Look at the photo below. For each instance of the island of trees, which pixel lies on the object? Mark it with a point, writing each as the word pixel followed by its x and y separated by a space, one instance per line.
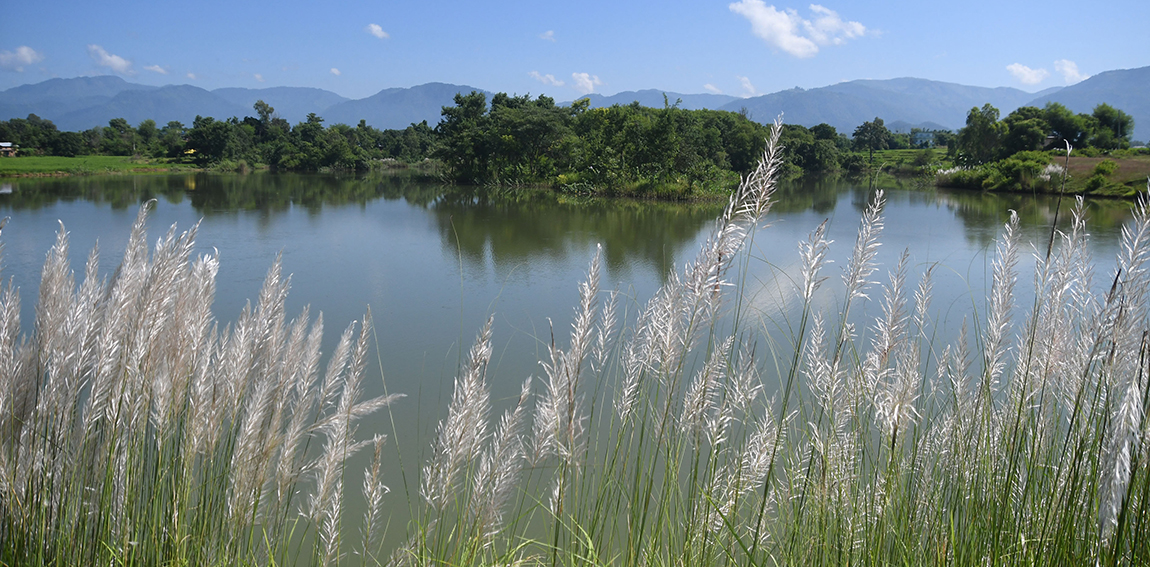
pixel 666 152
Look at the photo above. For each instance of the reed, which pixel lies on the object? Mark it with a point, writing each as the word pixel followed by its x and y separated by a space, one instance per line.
pixel 133 430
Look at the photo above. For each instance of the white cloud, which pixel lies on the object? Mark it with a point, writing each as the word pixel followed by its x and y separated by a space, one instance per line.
pixel 829 29
pixel 259 77
pixel 748 88
pixel 790 32
pixel 1069 71
pixel 335 72
pixel 547 79
pixel 548 35
pixel 156 69
pixel 16 60
pixel 114 62
pixel 585 83
pixel 192 76
pixel 1026 75
pixel 377 31
pixel 712 89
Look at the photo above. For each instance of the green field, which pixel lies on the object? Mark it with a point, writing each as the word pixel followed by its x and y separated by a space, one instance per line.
pixel 84 165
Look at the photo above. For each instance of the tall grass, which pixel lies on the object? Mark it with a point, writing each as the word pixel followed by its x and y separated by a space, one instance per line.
pixel 133 430
pixel 655 435
pixel 1024 442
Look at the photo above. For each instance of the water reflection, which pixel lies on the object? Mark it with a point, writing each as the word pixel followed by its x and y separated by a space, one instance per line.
pixel 508 228
pixel 514 228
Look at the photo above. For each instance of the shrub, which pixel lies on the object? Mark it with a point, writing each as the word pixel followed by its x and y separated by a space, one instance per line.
pixel 1106 168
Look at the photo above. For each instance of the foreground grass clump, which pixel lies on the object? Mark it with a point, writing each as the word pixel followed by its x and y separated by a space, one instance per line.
pixel 133 430
pixel 1024 442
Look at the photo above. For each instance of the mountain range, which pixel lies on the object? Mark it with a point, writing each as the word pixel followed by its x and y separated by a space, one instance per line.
pixel 84 102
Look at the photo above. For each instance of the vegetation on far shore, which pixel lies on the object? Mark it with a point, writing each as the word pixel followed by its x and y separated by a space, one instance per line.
pixel 666 153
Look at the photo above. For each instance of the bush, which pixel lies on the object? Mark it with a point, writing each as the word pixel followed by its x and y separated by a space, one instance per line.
pixel 963 178
pixel 1020 172
pixel 1106 168
pixel 853 162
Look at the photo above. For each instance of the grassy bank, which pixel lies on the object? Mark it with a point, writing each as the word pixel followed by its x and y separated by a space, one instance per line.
pixel 86 165
pixel 134 430
pixel 1119 176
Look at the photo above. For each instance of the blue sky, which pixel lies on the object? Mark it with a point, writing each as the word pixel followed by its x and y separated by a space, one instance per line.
pixel 565 49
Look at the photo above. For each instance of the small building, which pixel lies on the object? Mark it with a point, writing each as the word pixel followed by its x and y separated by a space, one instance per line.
pixel 8 149
pixel 922 140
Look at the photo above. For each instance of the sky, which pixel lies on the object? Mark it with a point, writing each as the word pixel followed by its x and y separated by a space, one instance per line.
pixel 568 49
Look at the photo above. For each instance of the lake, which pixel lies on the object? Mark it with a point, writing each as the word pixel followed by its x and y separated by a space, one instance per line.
pixel 432 262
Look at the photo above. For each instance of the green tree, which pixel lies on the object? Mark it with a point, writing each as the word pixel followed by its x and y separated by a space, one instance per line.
pixel 980 141
pixel 211 140
pixel 119 138
pixel 1113 128
pixel 872 136
pixel 1026 130
pixel 171 140
pixel 464 148
pixel 68 144
pixel 147 136
pixel 1066 126
pixel 32 134
pixel 824 131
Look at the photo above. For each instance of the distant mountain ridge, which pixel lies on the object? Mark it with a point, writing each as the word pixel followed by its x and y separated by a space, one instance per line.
pixel 290 103
pixel 654 99
pixel 397 108
pixel 849 104
pixel 84 102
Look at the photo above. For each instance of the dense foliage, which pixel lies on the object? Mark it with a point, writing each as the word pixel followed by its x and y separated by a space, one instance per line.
pixel 985 138
pixel 518 140
pixel 264 139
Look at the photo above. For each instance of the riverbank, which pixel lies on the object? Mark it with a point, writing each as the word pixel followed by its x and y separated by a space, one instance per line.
pixel 1032 172
pixel 55 166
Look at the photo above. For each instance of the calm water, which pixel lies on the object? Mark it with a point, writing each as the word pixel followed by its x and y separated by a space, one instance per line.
pixel 433 262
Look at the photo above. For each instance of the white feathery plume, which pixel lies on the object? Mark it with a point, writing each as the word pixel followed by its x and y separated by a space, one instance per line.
pixel 338 428
pixel 373 491
pixel 559 418
pixel 813 253
pixel 634 366
pixel 703 393
pixel 460 436
pixel 305 399
pixel 1124 442
pixel 1000 308
pixel 605 333
pixel 861 265
pixel 498 472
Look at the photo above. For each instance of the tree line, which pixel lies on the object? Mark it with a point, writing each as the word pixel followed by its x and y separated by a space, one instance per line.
pixel 519 140
pixel 263 139
pixel 985 138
